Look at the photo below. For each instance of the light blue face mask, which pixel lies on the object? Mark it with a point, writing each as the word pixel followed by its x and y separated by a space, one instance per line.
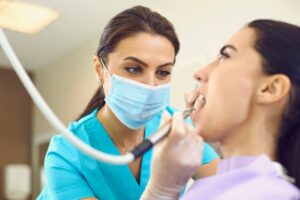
pixel 134 103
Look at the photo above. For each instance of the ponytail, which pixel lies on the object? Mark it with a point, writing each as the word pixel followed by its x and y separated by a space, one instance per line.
pixel 288 145
pixel 97 102
pixel 288 153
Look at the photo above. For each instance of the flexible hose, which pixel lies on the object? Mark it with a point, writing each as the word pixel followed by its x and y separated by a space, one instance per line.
pixel 49 114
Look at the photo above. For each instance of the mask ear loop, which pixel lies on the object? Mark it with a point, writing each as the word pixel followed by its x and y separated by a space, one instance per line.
pixel 104 66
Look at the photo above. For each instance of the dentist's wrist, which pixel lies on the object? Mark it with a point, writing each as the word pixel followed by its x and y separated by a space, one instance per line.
pixel 158 192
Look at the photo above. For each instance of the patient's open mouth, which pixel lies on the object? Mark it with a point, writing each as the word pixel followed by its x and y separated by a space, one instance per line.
pixel 200 102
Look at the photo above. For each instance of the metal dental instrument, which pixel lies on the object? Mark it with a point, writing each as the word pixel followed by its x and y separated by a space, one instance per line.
pixel 161 133
pixel 60 127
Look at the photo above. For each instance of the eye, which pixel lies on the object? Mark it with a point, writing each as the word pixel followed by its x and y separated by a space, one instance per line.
pixel 133 69
pixel 163 73
pixel 223 55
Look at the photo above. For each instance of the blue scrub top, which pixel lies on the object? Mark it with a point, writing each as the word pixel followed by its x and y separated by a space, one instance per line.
pixel 72 174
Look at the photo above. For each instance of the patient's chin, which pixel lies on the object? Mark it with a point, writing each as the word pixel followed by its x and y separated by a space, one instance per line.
pixel 210 136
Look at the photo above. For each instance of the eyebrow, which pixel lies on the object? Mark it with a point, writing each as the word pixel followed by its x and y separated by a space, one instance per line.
pixel 228 46
pixel 145 64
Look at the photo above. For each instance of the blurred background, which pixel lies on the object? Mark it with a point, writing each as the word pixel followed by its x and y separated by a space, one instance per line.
pixel 59 60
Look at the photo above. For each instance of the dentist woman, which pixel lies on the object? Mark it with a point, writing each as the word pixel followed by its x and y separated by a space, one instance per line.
pixel 133 64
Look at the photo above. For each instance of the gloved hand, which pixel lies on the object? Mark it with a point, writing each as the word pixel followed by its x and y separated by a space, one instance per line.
pixel 174 161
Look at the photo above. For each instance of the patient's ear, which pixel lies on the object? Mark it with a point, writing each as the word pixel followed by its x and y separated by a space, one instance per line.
pixel 98 68
pixel 274 88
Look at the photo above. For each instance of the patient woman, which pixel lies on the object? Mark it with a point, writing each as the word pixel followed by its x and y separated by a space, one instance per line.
pixel 133 64
pixel 249 102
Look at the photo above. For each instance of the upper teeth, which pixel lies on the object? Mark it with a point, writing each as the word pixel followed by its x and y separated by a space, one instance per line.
pixel 201 98
pixel 200 101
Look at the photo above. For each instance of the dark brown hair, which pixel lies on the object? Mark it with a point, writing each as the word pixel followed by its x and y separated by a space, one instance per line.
pixel 279 45
pixel 126 24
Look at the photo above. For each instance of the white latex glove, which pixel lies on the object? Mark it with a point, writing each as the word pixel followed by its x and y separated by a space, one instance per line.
pixel 174 161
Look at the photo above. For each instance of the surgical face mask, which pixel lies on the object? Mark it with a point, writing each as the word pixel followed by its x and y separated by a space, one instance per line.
pixel 134 103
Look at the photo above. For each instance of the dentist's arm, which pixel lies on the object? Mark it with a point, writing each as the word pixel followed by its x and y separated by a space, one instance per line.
pixel 206 170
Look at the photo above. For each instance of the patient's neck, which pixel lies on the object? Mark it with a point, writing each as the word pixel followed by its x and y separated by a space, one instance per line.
pixel 253 138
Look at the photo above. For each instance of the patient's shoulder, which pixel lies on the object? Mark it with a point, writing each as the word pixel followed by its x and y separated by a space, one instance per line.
pixel 263 187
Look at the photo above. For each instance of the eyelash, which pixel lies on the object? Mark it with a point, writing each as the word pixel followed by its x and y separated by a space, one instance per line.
pixel 166 73
pixel 135 70
pixel 129 69
pixel 223 54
